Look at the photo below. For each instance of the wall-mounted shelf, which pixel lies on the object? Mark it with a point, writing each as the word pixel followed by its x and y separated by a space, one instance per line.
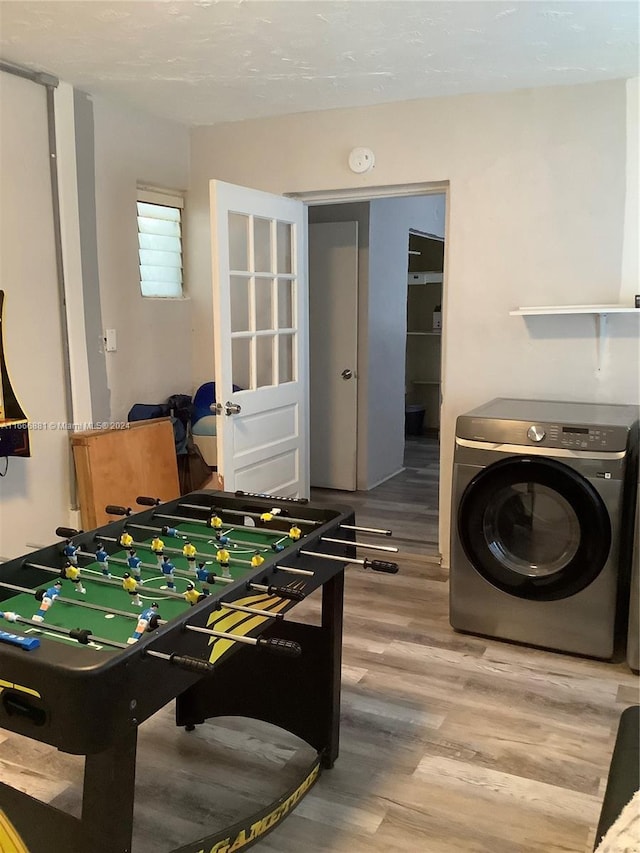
pixel 551 310
pixel 599 312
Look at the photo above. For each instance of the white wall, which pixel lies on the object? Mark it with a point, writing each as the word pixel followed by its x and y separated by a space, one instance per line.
pixel 153 359
pixel 34 494
pixel 389 222
pixel 536 215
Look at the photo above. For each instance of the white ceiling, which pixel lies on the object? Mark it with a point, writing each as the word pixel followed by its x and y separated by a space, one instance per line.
pixel 205 62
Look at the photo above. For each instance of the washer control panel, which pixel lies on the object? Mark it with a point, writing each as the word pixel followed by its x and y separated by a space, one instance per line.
pixel 574 437
pixel 581 437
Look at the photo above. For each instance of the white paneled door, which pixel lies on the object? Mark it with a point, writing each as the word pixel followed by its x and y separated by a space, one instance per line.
pixel 261 340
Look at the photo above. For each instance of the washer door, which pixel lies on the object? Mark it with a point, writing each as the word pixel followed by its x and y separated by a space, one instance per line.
pixel 534 528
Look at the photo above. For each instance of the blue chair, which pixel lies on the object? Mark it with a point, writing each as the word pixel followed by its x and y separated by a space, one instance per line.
pixel 203 423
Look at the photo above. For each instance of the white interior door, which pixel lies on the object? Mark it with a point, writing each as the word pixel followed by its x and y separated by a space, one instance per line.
pixel 261 340
pixel 333 348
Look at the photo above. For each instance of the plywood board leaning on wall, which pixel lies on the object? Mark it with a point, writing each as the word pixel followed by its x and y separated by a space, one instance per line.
pixel 115 466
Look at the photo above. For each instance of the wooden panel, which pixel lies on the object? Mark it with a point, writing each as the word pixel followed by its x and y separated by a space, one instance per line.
pixel 114 466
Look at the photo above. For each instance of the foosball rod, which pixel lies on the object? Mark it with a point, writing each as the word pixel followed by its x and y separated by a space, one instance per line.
pixel 254 611
pixel 81 635
pixel 282 591
pixel 115 582
pixel 377 530
pixel 374 565
pixel 145 545
pixel 236 512
pixel 201 536
pixel 182 573
pixel 76 603
pixel 272 644
pixel 368 545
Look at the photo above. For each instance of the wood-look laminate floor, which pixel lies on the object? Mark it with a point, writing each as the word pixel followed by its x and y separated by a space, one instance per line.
pixel 450 743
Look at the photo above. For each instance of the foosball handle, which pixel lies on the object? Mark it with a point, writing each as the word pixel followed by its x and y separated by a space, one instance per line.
pixel 67 532
pixel 82 635
pixel 381 566
pixel 240 494
pixel 277 646
pixel 112 509
pixel 143 500
pixel 201 667
pixel 286 592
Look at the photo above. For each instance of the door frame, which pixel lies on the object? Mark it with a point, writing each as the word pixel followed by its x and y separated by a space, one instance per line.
pixel 354 194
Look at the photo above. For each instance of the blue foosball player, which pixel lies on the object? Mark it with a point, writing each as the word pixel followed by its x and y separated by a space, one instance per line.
pixel 171 531
pixel 134 562
pixel 167 570
pixel 205 577
pixel 70 551
pixel 46 598
pixel 102 558
pixel 146 622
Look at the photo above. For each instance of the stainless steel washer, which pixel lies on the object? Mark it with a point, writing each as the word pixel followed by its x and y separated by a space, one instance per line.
pixel 542 522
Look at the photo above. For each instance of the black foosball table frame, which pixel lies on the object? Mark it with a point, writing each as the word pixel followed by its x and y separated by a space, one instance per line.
pixel 91 703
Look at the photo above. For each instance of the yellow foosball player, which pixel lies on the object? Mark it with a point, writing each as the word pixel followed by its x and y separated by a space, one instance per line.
pixel 130 585
pixel 157 546
pixel 215 521
pixel 189 551
pixel 257 560
pixel 72 573
pixel 191 594
pixel 294 532
pixel 223 557
pixel 126 539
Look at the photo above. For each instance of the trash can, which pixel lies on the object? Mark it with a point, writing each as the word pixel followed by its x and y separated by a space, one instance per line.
pixel 413 420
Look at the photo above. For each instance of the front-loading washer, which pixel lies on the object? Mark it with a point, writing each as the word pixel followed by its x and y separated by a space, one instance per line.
pixel 543 498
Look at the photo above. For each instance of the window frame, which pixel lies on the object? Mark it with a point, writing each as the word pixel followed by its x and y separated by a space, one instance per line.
pixel 163 198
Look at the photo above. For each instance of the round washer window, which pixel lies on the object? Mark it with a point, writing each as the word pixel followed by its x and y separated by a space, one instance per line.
pixel 534 528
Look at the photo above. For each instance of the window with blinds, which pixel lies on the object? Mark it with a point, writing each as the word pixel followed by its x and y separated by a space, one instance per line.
pixel 160 243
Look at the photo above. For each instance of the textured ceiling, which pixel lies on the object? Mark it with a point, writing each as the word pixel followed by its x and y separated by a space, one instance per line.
pixel 207 62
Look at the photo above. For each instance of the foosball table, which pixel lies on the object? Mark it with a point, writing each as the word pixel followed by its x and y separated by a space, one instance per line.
pixel 182 600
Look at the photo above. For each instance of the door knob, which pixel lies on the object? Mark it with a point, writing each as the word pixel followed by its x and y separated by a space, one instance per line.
pixel 347 374
pixel 232 408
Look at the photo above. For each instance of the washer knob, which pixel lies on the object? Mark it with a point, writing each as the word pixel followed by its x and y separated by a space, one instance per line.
pixel 535 433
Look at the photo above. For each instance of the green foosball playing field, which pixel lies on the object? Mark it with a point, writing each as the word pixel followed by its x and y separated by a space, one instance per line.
pixel 109 612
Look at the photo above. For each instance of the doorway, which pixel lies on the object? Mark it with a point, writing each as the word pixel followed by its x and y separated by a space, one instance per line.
pixel 379 325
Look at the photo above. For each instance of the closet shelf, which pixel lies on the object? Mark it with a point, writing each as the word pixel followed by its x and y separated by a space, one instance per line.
pixel 437 333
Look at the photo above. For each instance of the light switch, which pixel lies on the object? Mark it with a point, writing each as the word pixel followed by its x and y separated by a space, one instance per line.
pixel 110 344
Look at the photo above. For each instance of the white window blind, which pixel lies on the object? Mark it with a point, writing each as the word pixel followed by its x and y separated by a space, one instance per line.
pixel 160 244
